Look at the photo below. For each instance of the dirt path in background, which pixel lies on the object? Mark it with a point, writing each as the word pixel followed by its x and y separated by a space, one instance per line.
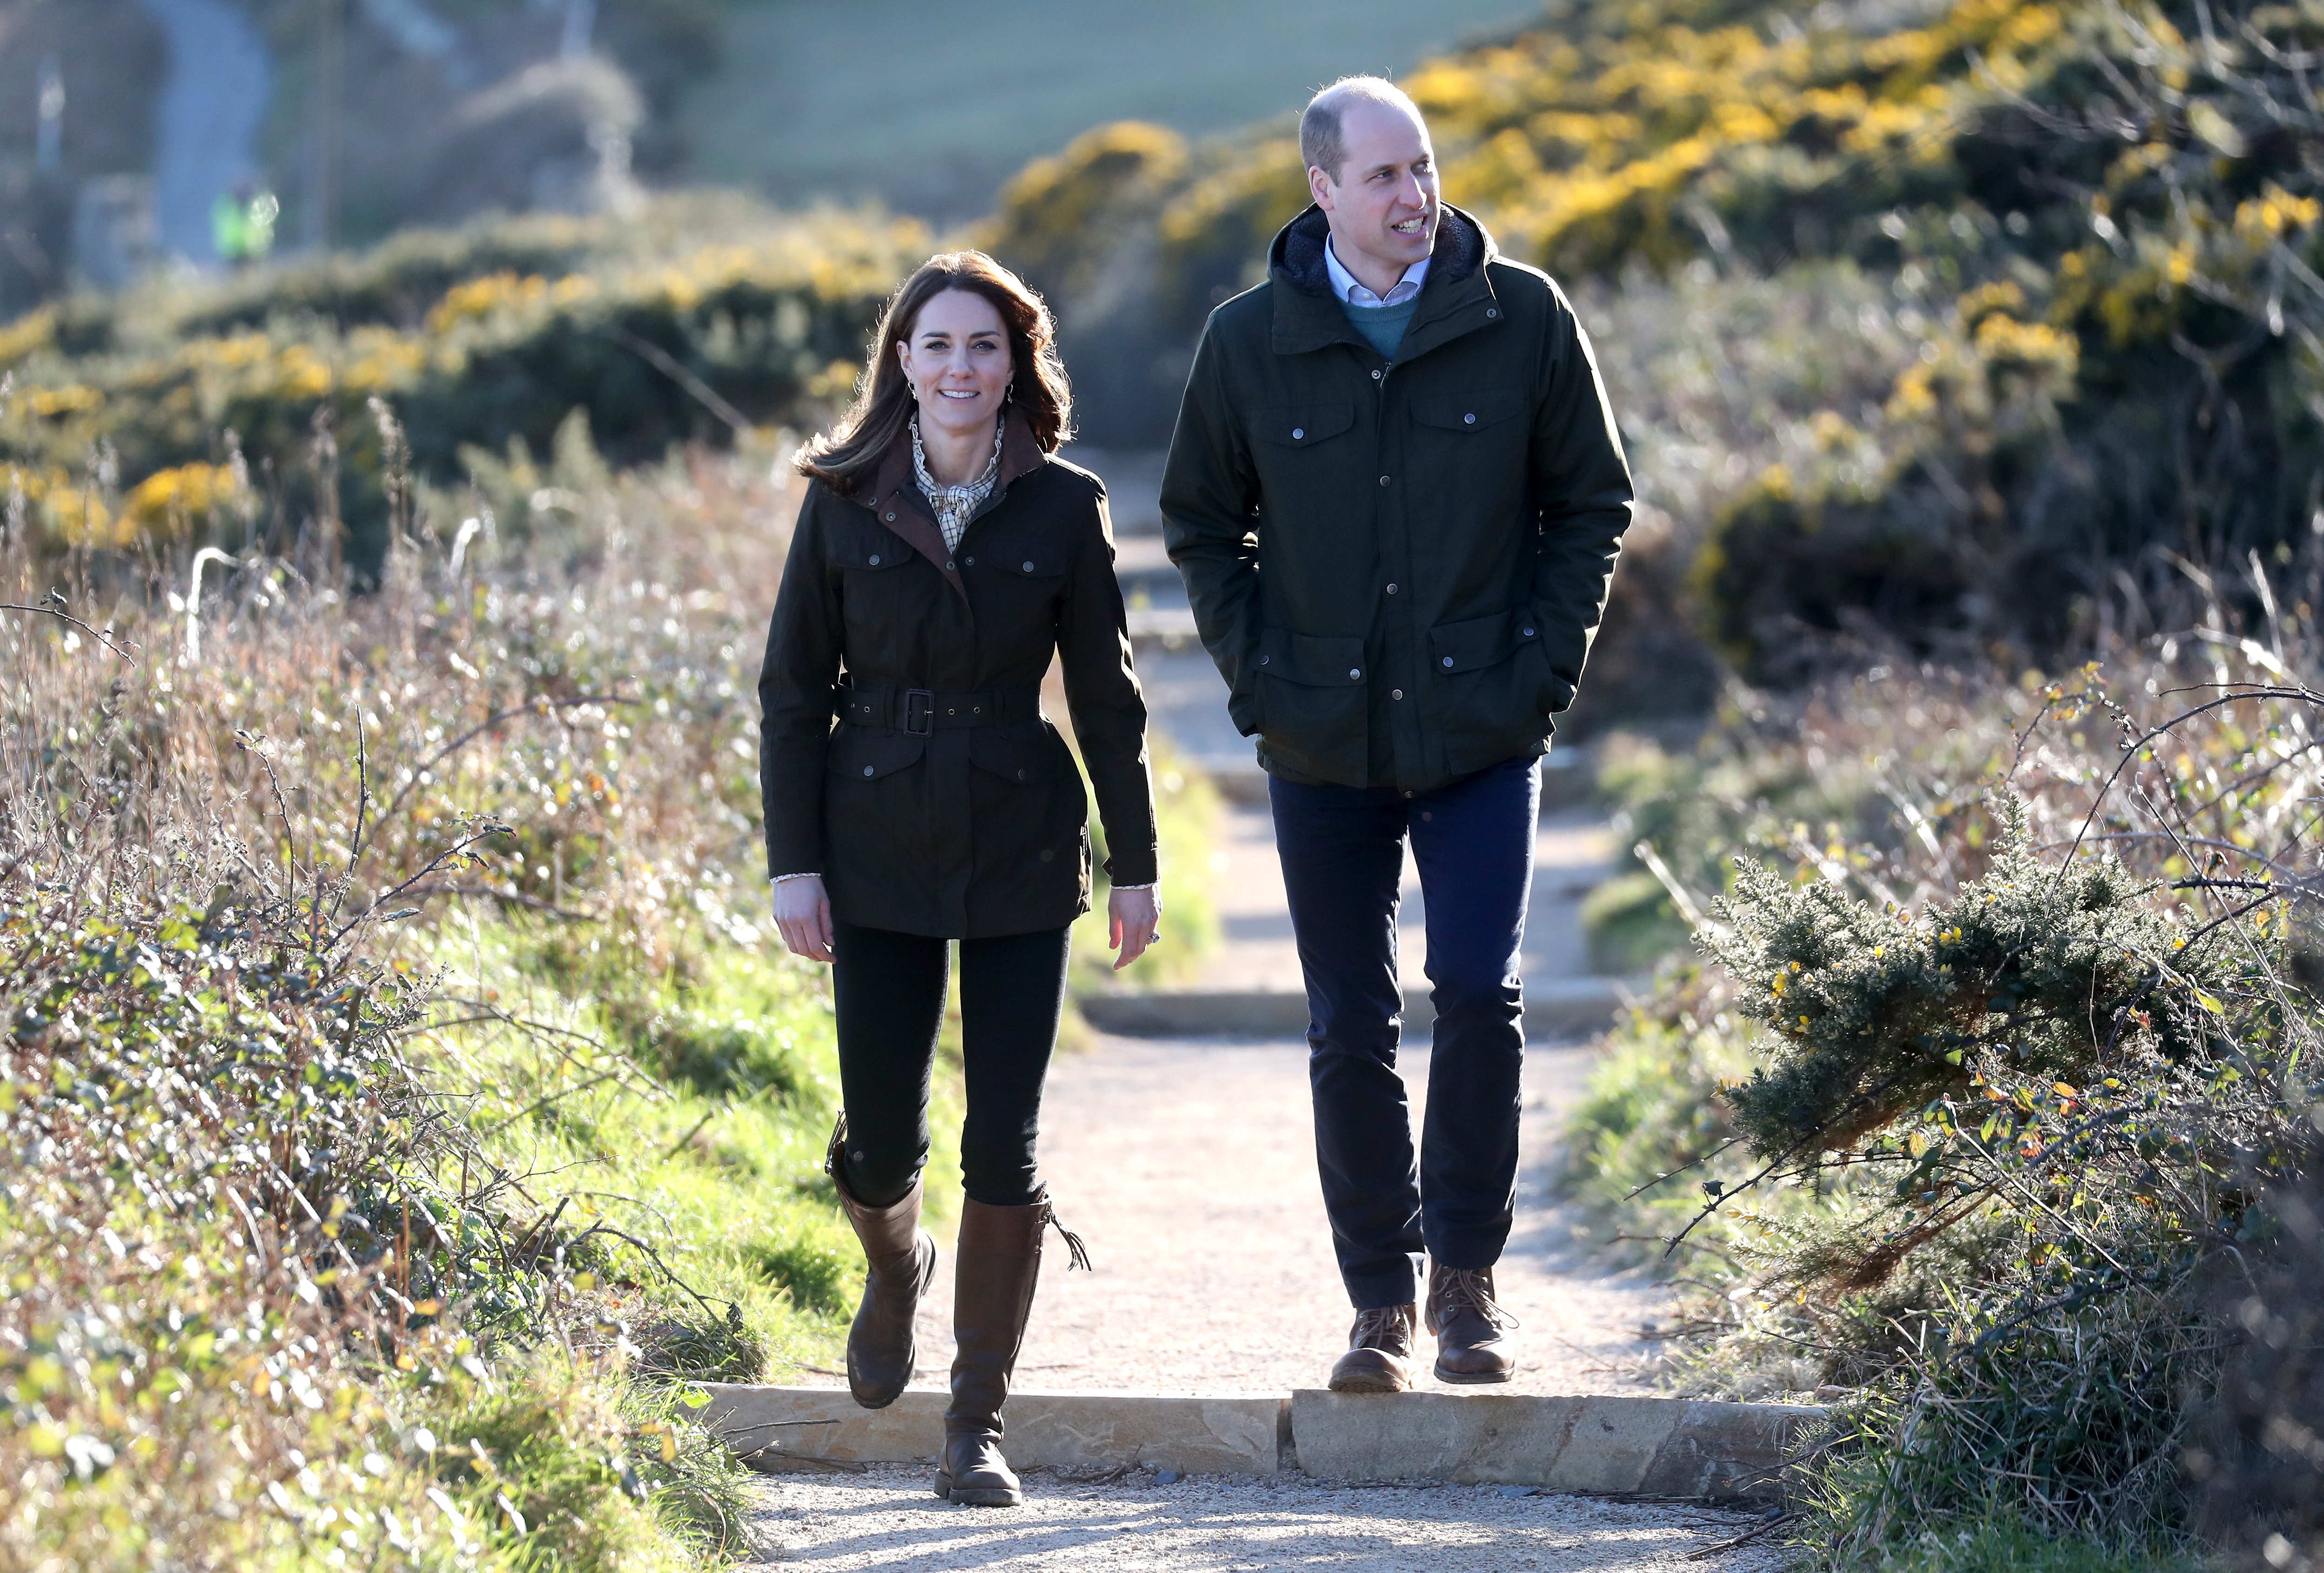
pixel 1188 1166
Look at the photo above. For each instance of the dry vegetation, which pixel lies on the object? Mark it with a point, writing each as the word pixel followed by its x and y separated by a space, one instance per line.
pixel 402 1101
pixel 1996 1121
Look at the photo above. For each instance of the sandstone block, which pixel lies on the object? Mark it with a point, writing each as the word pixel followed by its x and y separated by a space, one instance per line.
pixel 1231 1435
pixel 1612 1445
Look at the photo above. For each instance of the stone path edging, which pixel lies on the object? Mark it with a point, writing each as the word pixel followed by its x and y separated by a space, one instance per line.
pixel 1608 1445
pixel 1559 1010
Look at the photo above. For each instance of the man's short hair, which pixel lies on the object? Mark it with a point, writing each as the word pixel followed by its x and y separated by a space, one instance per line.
pixel 1320 142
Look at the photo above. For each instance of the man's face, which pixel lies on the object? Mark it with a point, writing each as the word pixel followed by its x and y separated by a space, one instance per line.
pixel 1383 207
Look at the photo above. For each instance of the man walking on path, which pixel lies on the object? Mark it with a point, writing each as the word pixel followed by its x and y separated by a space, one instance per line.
pixel 1396 494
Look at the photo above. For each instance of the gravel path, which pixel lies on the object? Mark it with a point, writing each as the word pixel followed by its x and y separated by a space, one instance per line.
pixel 884 1519
pixel 1189 1167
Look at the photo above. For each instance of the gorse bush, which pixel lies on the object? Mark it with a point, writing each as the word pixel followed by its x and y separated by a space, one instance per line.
pixel 1994 1122
pixel 183 415
pixel 1875 1012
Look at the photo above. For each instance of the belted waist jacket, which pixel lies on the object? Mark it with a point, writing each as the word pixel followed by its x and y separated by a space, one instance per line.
pixel 1398 566
pixel 903 754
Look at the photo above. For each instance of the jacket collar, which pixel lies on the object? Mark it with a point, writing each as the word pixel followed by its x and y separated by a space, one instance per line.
pixel 895 498
pixel 1457 299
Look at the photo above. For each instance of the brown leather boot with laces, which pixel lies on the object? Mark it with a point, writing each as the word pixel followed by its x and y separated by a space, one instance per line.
pixel 1379 1352
pixel 1473 1342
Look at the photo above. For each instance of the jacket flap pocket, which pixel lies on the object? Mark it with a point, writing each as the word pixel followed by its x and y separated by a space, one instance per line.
pixel 866 756
pixel 1482 641
pixel 1299 426
pixel 1471 411
pixel 1318 661
pixel 1034 754
pixel 1021 562
pixel 872 548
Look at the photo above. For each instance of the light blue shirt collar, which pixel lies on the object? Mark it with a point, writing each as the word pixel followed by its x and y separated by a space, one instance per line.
pixel 1345 285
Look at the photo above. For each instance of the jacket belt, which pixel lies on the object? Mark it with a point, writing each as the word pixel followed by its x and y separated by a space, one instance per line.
pixel 921 711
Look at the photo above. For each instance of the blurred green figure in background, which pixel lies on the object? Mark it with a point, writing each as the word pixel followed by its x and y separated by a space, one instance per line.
pixel 242 224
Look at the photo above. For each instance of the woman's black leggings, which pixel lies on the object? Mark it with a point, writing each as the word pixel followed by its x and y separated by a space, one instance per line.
pixel 890 990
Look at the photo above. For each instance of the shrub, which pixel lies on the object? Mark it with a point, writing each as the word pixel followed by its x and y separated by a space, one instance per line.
pixel 2020 1173
pixel 471 347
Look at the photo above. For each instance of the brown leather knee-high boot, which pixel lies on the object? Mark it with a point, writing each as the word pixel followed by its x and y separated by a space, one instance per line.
pixel 996 1265
pixel 880 1347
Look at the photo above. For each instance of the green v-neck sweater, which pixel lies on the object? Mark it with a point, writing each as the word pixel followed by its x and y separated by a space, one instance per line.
pixel 1381 326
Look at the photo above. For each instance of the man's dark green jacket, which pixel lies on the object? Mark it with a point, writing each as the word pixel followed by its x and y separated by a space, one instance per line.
pixel 1398 566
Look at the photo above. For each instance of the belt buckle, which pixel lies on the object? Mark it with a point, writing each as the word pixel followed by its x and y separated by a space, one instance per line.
pixel 920 707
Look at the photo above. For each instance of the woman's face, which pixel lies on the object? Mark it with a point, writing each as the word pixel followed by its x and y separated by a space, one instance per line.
pixel 957 359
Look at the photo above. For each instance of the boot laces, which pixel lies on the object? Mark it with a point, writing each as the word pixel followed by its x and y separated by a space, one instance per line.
pixel 1382 1327
pixel 1466 1286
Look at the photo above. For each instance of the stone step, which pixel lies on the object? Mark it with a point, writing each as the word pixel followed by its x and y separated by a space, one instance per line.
pixel 1649 1447
pixel 1558 1010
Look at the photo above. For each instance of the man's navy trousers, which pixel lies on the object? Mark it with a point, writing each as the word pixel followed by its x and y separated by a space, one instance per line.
pixel 1343 851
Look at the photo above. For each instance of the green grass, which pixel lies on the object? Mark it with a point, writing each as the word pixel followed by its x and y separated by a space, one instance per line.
pixel 839 98
pixel 692 1118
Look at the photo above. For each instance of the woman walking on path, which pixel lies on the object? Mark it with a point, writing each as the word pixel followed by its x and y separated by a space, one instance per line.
pixel 915 794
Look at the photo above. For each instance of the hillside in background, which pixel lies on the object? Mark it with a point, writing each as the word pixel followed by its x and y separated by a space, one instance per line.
pixel 932 109
pixel 2031 290
pixel 1944 330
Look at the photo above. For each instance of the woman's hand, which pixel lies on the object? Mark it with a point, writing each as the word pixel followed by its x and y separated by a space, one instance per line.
pixel 1132 917
pixel 803 911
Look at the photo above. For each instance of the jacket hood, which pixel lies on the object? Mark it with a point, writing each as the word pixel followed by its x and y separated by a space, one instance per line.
pixel 1462 246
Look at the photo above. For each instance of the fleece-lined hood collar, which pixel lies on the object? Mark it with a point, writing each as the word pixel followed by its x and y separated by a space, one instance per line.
pixel 1457 299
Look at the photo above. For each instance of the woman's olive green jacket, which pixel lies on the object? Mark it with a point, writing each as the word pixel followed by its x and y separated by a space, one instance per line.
pixel 903 754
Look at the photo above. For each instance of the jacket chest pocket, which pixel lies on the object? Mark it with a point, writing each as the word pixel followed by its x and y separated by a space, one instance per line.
pixel 869 558
pixel 872 580
pixel 1016 580
pixel 1296 447
pixel 1469 448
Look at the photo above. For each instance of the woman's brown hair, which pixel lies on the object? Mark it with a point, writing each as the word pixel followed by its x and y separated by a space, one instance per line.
pixel 852 450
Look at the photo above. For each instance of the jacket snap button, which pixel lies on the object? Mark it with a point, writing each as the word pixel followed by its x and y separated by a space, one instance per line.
pixel 970 561
pixel 875 559
pixel 1297 432
pixel 948 568
pixel 1020 774
pixel 1528 633
pixel 1391 589
pixel 1448 661
pixel 867 769
pixel 950 711
pixel 1396 693
pixel 1262 660
pixel 1376 376
pixel 1383 479
pixel 1490 311
pixel 1355 671
pixel 979 709
pixel 1029 568
pixel 891 516
pixel 1468 419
